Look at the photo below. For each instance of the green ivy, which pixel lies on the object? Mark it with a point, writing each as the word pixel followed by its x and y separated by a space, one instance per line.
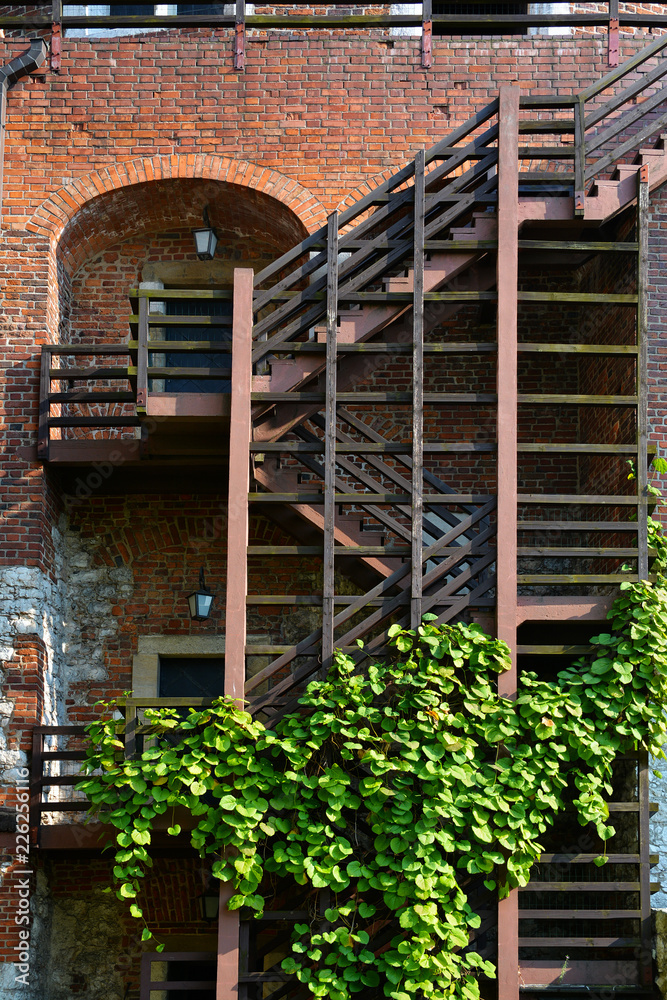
pixel 390 789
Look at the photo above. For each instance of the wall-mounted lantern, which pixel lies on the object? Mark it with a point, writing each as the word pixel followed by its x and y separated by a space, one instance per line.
pixel 209 903
pixel 206 239
pixel 200 600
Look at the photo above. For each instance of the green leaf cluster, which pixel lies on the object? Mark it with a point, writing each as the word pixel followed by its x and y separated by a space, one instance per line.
pixel 391 789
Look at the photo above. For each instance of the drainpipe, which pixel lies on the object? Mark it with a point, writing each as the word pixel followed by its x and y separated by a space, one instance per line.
pixel 9 74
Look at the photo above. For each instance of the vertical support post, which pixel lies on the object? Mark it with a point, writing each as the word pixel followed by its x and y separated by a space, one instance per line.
pixel 142 356
pixel 56 34
pixel 240 431
pixel 507 279
pixel 227 977
pixel 36 787
pixel 506 562
pixel 579 158
pixel 612 37
pixel 645 953
pixel 642 371
pixel 328 582
pixel 239 36
pixel 44 405
pixel 244 958
pixel 131 723
pixel 418 393
pixel 427 34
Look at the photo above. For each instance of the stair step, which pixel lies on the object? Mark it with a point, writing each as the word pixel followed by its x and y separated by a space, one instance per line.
pixel 624 170
pixel 648 156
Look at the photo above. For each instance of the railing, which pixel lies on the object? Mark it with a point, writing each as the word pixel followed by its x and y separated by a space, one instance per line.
pixel 57 753
pixel 580 536
pixel 377 232
pixel 137 727
pixel 439 18
pixel 100 391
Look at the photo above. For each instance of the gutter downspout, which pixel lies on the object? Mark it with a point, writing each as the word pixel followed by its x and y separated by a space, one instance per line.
pixel 9 75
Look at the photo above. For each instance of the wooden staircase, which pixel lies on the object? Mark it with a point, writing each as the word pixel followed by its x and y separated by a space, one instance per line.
pixel 389 265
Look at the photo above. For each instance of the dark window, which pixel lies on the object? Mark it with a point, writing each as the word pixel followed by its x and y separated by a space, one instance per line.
pixel 191 677
pixel 182 359
pixel 192 972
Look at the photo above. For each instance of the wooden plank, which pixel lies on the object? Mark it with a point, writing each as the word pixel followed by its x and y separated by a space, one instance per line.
pixel 240 432
pixel 577 400
pixel 596 246
pixel 372 448
pixel 192 346
pixel 578 942
pixel 644 955
pixel 578 526
pixel 227 968
pixel 74 374
pixel 584 551
pixel 457 500
pixel 584 578
pixel 565 886
pixel 589 298
pixel 181 293
pixel 417 509
pixel 43 434
pixel 239 481
pixel 374 397
pixel 578 449
pixel 91 349
pixel 606 500
pixel 642 369
pixel 579 158
pixel 556 914
pixel 76 396
pixel 239 35
pixel 506 436
pixel 328 581
pixel 577 348
pixel 92 421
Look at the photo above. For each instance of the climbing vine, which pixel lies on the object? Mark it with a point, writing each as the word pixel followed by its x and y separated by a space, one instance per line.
pixel 392 790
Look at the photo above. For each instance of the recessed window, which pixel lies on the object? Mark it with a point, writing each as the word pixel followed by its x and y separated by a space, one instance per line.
pixel 191 677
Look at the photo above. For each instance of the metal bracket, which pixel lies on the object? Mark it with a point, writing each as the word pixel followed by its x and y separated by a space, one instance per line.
pixel 427 44
pixel 56 38
pixel 613 41
pixel 239 46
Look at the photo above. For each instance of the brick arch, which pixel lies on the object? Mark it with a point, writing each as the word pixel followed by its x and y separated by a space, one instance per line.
pixel 53 215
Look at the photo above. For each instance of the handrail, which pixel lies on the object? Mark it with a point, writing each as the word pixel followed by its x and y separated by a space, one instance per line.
pixel 607 15
pixel 378 231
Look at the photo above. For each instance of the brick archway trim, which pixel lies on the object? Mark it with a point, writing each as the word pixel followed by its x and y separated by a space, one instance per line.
pixel 60 208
